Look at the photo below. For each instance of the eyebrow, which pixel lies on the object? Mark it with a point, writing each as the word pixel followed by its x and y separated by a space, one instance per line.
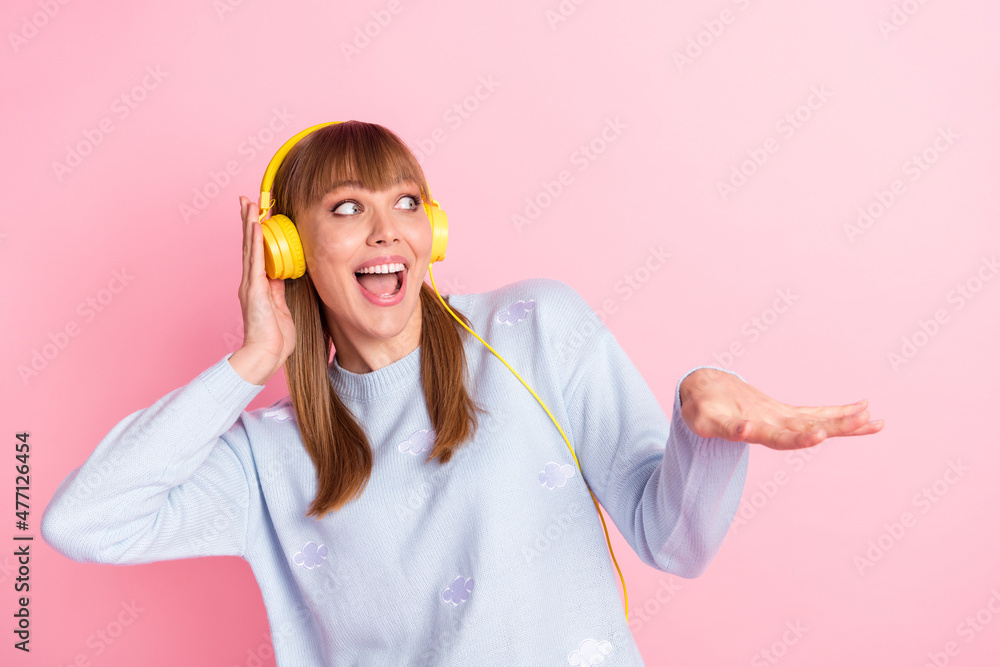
pixel 361 186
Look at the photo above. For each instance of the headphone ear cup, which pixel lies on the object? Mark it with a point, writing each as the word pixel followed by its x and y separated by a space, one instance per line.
pixel 439 230
pixel 283 255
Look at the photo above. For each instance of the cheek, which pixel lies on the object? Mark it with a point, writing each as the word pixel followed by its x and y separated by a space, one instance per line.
pixel 325 253
pixel 422 239
pixel 318 257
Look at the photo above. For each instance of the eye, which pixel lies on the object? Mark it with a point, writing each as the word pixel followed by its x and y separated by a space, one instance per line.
pixel 342 208
pixel 414 198
pixel 337 209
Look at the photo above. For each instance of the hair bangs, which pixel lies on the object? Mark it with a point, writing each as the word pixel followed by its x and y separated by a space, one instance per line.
pixel 348 153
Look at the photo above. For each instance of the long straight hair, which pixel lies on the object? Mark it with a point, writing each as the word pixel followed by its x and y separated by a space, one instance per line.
pixel 376 158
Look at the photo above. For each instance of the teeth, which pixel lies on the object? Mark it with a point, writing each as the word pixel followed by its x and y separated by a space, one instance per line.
pixel 382 268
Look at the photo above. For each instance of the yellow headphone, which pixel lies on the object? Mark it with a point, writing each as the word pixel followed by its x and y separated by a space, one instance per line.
pixel 284 259
pixel 283 256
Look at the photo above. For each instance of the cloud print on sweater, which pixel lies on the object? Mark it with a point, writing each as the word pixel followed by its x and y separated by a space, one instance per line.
pixel 591 652
pixel 555 474
pixel 516 312
pixel 282 411
pixel 312 555
pixel 419 441
pixel 458 590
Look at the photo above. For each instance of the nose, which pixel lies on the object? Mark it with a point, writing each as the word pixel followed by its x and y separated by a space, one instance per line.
pixel 384 229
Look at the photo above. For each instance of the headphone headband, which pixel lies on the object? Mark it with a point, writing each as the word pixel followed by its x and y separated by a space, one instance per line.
pixel 267 183
pixel 272 167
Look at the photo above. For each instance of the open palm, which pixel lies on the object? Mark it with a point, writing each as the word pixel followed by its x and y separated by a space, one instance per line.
pixel 716 404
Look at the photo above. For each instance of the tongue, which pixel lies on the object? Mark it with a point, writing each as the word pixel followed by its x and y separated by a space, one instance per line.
pixel 378 283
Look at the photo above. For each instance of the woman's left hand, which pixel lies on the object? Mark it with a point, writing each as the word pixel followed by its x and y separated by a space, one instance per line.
pixel 716 404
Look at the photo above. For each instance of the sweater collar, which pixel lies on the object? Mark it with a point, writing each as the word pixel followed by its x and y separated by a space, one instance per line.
pixel 377 383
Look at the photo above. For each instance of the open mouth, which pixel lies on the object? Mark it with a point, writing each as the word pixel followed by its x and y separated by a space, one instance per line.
pixel 381 285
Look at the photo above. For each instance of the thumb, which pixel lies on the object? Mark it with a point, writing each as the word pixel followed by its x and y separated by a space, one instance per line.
pixel 278 292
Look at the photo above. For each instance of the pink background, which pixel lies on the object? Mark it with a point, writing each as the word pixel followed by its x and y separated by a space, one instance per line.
pixel 683 129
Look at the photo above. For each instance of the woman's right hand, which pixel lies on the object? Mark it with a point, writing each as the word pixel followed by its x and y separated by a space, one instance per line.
pixel 268 329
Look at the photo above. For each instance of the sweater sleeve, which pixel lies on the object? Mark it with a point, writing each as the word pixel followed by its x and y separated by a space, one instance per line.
pixel 672 494
pixel 174 480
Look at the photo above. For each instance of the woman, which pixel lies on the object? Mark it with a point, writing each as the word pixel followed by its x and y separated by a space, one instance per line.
pixel 409 502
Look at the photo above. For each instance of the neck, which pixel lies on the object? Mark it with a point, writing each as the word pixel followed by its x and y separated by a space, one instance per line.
pixel 358 352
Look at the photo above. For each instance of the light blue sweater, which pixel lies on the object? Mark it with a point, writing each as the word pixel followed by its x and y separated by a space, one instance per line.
pixel 495 558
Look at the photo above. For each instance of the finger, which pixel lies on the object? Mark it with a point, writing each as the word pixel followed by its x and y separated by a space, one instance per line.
pixel 847 424
pixel 867 429
pixel 781 438
pixel 247 239
pixel 278 293
pixel 831 411
pixel 831 427
pixel 856 424
pixel 257 253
